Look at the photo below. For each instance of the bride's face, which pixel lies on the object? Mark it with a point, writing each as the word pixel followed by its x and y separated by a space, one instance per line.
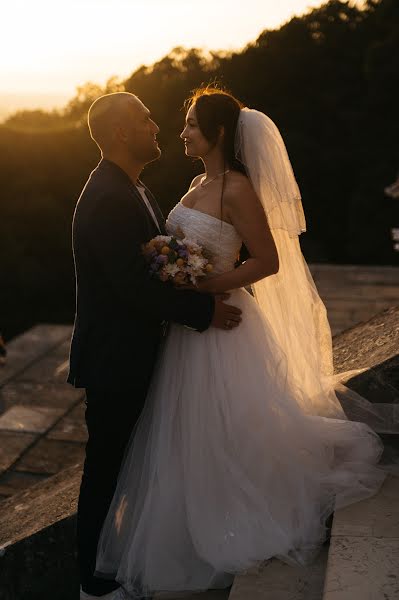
pixel 194 142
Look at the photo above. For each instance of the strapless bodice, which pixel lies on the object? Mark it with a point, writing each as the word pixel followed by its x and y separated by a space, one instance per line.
pixel 218 237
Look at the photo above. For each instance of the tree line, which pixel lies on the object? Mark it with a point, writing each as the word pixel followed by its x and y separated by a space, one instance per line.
pixel 329 81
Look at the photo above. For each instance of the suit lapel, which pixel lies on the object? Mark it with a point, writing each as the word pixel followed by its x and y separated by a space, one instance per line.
pixel 116 171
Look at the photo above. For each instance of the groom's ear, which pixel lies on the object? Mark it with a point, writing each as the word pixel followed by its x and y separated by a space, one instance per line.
pixel 221 133
pixel 120 133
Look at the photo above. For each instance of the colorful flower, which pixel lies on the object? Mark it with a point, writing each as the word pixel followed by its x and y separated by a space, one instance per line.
pixel 176 260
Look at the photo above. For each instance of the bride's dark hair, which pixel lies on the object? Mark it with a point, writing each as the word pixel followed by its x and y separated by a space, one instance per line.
pixel 216 108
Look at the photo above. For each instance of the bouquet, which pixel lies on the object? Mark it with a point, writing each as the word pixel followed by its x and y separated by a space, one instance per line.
pixel 179 261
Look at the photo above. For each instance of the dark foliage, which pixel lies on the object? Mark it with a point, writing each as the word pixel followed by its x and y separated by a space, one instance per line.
pixel 329 81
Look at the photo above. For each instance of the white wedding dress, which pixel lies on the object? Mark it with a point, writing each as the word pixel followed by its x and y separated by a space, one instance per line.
pixel 224 468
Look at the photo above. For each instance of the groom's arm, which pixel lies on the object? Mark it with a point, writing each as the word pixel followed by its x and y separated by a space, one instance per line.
pixel 114 237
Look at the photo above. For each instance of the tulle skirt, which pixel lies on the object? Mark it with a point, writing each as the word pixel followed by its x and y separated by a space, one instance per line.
pixel 224 469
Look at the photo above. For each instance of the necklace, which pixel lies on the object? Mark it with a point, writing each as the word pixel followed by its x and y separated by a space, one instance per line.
pixel 202 184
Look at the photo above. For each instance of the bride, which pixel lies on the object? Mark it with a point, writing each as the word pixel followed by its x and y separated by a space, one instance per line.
pixel 243 450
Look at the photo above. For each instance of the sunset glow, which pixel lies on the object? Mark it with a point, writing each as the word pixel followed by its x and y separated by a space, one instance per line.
pixel 51 47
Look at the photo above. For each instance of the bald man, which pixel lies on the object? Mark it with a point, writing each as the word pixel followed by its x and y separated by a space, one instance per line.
pixel 120 311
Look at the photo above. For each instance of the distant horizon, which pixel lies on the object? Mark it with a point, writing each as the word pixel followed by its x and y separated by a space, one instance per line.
pixel 13 102
pixel 34 80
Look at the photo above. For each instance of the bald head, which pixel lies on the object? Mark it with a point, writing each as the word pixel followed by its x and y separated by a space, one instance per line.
pixel 106 113
pixel 122 128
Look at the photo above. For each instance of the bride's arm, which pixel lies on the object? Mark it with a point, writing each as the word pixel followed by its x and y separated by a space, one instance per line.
pixel 245 212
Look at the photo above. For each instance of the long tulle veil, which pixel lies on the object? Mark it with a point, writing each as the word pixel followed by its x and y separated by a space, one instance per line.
pixel 289 299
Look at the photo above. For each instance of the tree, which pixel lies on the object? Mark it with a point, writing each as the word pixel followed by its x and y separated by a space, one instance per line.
pixel 329 81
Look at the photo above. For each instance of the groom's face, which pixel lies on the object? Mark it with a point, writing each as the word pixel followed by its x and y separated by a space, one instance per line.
pixel 141 132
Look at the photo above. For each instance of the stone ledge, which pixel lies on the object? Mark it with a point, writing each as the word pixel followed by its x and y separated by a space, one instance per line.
pixel 374 346
pixel 362 569
pixel 53 500
pixel 37 533
pixel 42 566
pixel 363 561
pixel 279 581
pixel 375 517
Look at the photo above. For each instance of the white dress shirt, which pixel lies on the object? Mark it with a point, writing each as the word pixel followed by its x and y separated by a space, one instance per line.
pixel 148 205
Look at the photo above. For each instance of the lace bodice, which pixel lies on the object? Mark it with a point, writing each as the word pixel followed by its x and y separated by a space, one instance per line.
pixel 219 238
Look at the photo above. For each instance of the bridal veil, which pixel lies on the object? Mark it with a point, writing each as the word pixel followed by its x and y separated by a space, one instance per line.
pixel 289 299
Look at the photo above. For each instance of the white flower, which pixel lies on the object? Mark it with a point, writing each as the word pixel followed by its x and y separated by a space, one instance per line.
pixel 162 238
pixel 171 269
pixel 196 262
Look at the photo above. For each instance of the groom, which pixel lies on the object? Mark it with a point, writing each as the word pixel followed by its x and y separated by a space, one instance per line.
pixel 121 312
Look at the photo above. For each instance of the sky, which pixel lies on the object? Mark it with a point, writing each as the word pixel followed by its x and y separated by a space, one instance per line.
pixel 49 47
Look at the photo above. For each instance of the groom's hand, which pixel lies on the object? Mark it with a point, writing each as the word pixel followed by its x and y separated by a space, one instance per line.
pixel 225 316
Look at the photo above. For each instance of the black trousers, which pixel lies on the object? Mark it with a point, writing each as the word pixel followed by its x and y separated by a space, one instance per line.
pixel 110 417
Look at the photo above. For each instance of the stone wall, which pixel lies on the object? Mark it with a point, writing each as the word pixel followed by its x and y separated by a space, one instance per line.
pixel 37 540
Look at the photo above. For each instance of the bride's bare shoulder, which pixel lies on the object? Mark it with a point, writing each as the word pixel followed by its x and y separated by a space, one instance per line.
pixel 241 199
pixel 196 181
pixel 237 185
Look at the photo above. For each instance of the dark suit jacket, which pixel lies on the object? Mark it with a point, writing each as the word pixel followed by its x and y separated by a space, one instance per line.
pixel 119 309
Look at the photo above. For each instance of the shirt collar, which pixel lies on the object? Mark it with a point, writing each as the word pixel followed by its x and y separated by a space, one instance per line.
pixel 114 168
